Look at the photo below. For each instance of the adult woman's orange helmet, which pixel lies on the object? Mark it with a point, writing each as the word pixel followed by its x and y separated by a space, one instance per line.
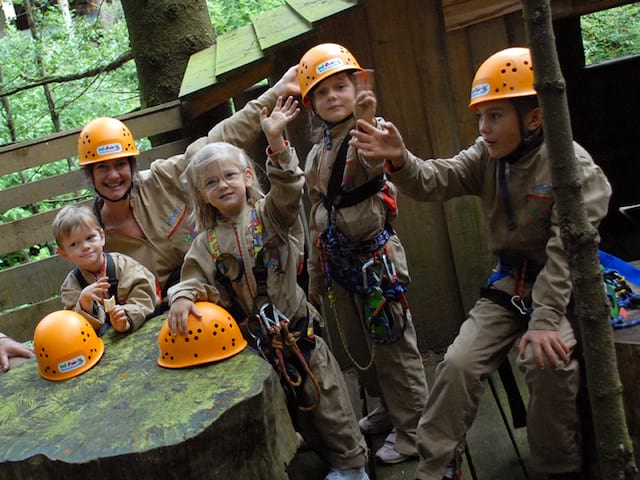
pixel 215 336
pixel 321 62
pixel 65 345
pixel 103 139
pixel 505 74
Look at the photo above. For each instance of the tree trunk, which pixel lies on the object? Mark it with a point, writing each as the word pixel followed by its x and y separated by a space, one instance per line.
pixel 613 444
pixel 163 35
pixel 129 419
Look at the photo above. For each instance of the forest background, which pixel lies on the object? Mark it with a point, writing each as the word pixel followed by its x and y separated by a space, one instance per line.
pixel 62 45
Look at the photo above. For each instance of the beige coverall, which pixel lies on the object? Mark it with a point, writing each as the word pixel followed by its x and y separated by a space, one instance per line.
pixel 137 292
pixel 331 429
pixel 160 203
pixel 490 330
pixel 398 373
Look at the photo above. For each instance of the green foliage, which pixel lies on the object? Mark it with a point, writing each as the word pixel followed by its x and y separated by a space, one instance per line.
pixel 229 15
pixel 611 34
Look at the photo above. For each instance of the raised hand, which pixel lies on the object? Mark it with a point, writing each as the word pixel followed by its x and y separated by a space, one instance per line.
pixel 380 143
pixel 273 124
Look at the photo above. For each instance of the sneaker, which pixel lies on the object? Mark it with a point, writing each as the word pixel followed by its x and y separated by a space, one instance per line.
pixel 452 472
pixel 387 452
pixel 348 474
pixel 376 423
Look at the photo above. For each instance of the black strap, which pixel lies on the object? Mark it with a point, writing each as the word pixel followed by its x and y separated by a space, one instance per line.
pixel 512 221
pixel 337 172
pixel 338 198
pixel 516 404
pixel 504 300
pixel 110 272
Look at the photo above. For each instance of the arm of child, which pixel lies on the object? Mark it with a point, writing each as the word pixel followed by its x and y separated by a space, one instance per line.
pixel 273 124
pixel 379 143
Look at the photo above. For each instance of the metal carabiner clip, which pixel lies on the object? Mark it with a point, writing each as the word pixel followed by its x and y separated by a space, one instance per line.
pixel 517 302
pixel 365 266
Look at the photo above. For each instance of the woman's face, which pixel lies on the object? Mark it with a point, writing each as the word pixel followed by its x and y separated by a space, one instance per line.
pixel 333 98
pixel 224 186
pixel 112 179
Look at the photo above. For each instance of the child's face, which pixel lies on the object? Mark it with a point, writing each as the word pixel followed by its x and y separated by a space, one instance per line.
pixel 83 246
pixel 498 124
pixel 332 99
pixel 112 178
pixel 225 184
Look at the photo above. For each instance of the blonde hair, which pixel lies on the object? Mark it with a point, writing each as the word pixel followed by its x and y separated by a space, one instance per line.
pixel 71 217
pixel 203 213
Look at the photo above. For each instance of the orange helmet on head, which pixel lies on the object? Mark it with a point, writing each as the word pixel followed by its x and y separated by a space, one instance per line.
pixel 103 139
pixel 214 336
pixel 505 74
pixel 65 345
pixel 321 62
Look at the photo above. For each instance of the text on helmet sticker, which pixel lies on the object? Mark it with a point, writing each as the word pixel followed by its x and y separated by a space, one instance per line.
pixel 72 364
pixel 480 90
pixel 108 149
pixel 329 65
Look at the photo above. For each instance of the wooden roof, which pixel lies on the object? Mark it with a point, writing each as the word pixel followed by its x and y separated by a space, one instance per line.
pixel 248 45
pixel 251 43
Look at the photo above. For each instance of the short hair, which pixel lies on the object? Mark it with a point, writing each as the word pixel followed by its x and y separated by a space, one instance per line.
pixel 524 105
pixel 71 217
pixel 203 213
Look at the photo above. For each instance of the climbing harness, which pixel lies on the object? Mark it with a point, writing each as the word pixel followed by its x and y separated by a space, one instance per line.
pixel 363 268
pixel 267 327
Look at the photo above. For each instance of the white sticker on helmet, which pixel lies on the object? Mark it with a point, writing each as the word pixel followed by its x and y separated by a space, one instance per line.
pixel 108 149
pixel 329 65
pixel 72 364
pixel 480 90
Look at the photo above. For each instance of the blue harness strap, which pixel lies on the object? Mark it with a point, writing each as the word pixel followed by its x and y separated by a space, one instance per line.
pixel 628 271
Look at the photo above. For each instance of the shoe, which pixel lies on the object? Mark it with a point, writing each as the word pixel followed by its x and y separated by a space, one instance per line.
pixel 300 443
pixel 376 423
pixel 387 452
pixel 348 474
pixel 453 471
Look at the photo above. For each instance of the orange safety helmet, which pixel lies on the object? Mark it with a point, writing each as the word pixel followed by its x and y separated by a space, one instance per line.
pixel 321 62
pixel 103 139
pixel 66 345
pixel 215 336
pixel 505 74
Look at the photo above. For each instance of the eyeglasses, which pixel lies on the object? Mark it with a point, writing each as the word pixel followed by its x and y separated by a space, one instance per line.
pixel 229 178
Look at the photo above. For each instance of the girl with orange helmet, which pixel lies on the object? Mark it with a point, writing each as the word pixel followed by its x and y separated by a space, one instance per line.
pixel 247 256
pixel 144 214
pixel 527 295
pixel 359 258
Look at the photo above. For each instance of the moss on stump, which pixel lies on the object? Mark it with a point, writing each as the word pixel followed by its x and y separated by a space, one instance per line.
pixel 128 418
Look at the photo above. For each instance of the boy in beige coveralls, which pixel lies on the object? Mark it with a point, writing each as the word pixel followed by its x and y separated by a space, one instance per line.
pixel 508 169
pixel 256 244
pixel 87 289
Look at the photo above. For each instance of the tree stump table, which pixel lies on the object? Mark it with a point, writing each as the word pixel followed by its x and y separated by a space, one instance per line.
pixel 128 418
pixel 627 342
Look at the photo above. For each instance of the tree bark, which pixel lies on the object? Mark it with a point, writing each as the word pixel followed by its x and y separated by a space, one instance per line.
pixel 163 35
pixel 128 418
pixel 613 444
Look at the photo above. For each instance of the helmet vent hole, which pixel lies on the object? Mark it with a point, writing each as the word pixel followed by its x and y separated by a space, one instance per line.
pixel 186 339
pixel 215 333
pixel 195 355
pixel 199 330
pixel 224 348
pixel 196 338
